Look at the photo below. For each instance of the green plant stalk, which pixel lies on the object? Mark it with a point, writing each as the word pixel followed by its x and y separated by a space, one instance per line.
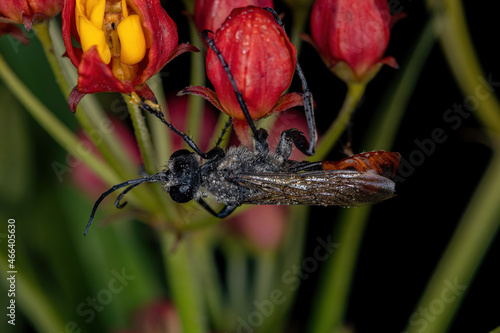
pixel 161 138
pixel 148 154
pixel 331 301
pixel 161 135
pixel 53 126
pixel 333 291
pixel 211 283
pixel 197 78
pixel 290 256
pixel 391 110
pixel 237 278
pixel 355 92
pixel 142 136
pixel 300 15
pixel 457 46
pixel 467 248
pixel 31 301
pixel 264 274
pixel 183 284
pixel 89 112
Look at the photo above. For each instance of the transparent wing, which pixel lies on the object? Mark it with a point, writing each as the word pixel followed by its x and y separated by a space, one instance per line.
pixel 322 187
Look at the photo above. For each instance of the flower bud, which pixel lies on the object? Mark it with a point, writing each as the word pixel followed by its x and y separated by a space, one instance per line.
pixel 352 36
pixel 28 11
pixel 210 14
pixel 123 44
pixel 262 62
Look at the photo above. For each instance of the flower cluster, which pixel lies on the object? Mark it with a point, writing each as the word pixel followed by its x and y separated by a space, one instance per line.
pixel 123 43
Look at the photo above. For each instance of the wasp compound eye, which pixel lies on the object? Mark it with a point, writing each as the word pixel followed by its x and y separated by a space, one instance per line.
pixel 181 193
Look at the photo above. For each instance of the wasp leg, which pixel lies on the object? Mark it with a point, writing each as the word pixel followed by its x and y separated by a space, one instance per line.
pixel 239 96
pixel 224 212
pixel 226 126
pixel 147 106
pixel 293 135
pixel 306 96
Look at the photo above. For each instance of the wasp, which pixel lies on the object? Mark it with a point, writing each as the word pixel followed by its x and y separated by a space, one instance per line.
pixel 239 176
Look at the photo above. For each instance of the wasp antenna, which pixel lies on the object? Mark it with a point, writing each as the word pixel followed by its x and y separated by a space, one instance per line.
pixel 120 197
pixel 131 184
pixel 239 96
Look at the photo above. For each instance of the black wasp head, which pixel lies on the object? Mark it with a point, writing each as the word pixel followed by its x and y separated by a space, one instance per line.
pixel 184 176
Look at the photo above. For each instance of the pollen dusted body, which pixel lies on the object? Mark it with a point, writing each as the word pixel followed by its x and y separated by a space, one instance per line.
pixel 241 176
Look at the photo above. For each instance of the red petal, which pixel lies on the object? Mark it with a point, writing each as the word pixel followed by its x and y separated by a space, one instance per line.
pixel 181 48
pixel 204 92
pixel 95 76
pixel 161 34
pixel 288 101
pixel 74 98
pixel 69 29
pixel 390 61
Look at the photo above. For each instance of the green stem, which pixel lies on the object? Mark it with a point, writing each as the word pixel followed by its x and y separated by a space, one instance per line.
pixel 195 103
pixel 89 113
pixel 391 108
pixel 237 278
pixel 53 126
pixel 290 257
pixel 142 136
pixel 265 271
pixel 162 136
pixel 354 94
pixel 148 154
pixel 330 302
pixel 456 42
pixel 466 250
pixel 212 286
pixel 300 14
pixel 183 283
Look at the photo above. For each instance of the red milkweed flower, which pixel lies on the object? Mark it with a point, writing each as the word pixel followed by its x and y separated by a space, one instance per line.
pixel 123 44
pixel 210 14
pixel 28 11
pixel 352 36
pixel 262 61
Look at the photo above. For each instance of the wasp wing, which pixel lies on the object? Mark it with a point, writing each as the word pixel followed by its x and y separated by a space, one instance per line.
pixel 321 187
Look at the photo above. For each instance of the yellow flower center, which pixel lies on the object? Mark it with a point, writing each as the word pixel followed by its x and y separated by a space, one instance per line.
pixel 116 30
